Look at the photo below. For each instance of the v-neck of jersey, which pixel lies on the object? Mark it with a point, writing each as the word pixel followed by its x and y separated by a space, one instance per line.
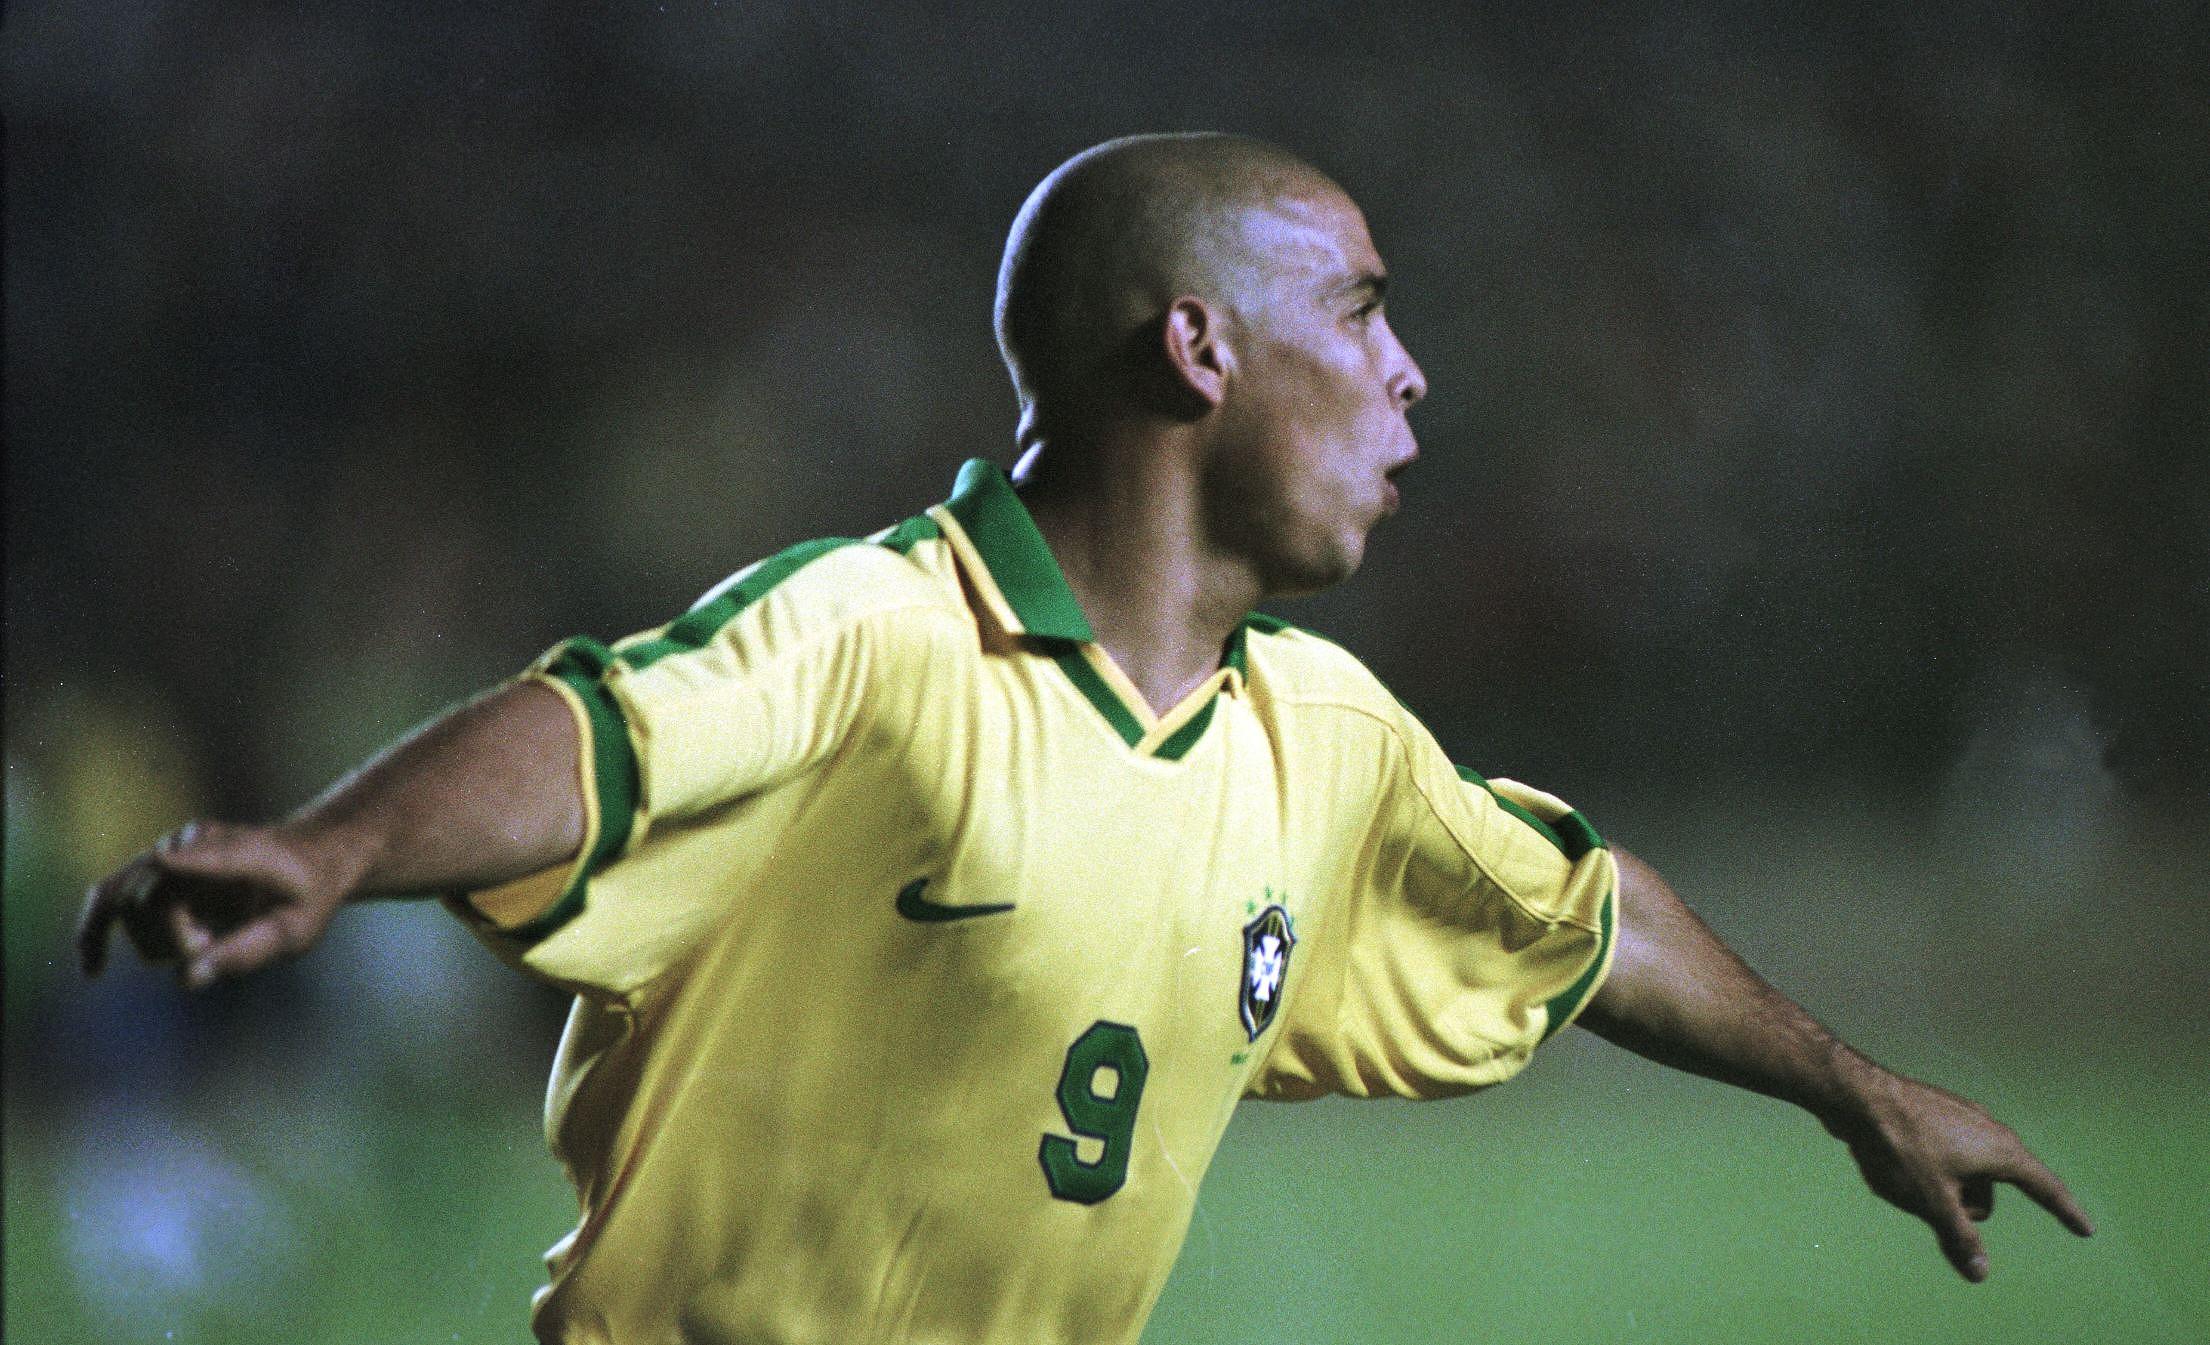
pixel 1016 577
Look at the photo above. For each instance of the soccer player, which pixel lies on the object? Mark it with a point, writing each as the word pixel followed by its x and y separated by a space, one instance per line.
pixel 931 899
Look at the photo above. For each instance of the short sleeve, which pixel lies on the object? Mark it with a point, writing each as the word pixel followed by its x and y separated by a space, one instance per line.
pixel 1478 923
pixel 693 723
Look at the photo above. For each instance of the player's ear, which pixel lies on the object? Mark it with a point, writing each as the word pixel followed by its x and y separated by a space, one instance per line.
pixel 1197 355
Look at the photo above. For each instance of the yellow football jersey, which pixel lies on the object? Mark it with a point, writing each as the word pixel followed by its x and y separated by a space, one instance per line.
pixel 919 966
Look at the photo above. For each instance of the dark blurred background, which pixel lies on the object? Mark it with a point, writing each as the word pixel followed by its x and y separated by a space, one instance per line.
pixel 1815 488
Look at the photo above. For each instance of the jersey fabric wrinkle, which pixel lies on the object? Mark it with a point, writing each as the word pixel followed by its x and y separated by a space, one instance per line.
pixel 793 1113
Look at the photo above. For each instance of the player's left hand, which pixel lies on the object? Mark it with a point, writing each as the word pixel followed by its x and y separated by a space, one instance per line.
pixel 1936 1155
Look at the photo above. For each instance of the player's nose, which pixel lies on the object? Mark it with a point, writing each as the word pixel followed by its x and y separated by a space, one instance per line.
pixel 1407 382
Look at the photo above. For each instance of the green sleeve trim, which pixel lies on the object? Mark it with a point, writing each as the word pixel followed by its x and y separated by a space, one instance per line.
pixel 696 627
pixel 1579 836
pixel 580 666
pixel 1094 690
pixel 1547 832
pixel 1561 1008
pixel 1572 833
pixel 702 623
pixel 567 908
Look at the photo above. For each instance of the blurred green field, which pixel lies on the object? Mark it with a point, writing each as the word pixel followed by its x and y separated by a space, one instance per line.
pixel 1592 1200
pixel 1595 1198
pixel 429 1231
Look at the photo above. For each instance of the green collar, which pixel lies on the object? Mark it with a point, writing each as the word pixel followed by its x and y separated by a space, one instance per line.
pixel 1015 553
pixel 1022 566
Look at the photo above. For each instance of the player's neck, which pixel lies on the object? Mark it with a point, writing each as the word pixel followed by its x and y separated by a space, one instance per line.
pixel 1124 527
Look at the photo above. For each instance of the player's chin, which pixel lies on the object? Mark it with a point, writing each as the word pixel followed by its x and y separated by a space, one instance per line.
pixel 1313 570
pixel 1331 566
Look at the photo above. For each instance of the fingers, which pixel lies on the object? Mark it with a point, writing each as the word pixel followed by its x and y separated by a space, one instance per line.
pixel 181 838
pixel 1953 1218
pixel 105 903
pixel 208 849
pixel 190 938
pixel 92 929
pixel 249 947
pixel 1960 1241
pixel 214 899
pixel 1979 1198
pixel 125 897
pixel 145 921
pixel 2044 1189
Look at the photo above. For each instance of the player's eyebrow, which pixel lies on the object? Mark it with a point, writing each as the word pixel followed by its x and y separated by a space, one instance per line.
pixel 1366 286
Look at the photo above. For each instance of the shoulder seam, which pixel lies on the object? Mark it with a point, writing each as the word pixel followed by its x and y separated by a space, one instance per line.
pixel 727 602
pixel 724 602
pixel 1404 748
pixel 844 626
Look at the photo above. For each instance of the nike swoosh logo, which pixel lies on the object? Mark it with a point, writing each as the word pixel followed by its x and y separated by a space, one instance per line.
pixel 913 906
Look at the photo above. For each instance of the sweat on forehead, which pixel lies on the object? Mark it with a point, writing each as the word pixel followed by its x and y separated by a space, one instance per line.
pixel 1117 231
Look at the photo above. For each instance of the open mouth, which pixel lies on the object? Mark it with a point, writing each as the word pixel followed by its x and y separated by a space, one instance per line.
pixel 1390 494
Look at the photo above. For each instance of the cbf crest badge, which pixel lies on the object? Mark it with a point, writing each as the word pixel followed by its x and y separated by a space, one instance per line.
pixel 1266 944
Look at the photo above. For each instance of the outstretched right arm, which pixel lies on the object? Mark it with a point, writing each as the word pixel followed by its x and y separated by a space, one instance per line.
pixel 483 794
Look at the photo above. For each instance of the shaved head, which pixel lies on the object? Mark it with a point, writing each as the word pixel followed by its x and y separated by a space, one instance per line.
pixel 1111 238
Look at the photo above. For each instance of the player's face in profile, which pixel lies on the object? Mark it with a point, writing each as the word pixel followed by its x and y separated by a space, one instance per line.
pixel 1316 421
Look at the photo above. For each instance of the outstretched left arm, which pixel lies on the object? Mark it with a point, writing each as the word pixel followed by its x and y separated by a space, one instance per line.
pixel 1679 996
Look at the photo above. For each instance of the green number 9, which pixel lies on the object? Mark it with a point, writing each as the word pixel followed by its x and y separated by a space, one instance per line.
pixel 1098 1116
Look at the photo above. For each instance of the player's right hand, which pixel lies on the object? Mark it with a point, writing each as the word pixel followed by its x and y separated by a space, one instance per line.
pixel 212 900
